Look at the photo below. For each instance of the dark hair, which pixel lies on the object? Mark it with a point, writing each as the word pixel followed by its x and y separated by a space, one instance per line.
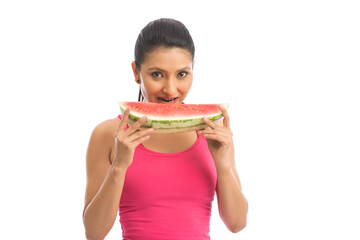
pixel 163 32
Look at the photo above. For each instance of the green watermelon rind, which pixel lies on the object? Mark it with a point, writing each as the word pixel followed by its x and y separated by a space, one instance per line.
pixel 174 125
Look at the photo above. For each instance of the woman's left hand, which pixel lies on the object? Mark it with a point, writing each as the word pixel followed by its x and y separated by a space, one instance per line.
pixel 219 139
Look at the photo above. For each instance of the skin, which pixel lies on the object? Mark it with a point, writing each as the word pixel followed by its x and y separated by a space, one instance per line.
pixel 166 72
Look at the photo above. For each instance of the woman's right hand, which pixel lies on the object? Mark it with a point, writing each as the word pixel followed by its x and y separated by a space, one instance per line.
pixel 127 140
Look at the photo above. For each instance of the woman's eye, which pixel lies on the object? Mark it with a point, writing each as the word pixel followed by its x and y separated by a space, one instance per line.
pixel 156 74
pixel 182 74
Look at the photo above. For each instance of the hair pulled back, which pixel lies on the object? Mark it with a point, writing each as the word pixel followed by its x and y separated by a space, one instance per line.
pixel 163 32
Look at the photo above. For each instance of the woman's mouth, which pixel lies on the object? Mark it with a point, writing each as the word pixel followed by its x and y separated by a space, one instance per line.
pixel 167 100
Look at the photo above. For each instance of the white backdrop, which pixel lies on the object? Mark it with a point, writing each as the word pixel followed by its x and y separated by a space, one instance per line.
pixel 289 69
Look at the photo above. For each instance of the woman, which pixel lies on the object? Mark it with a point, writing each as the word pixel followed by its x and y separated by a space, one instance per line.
pixel 170 179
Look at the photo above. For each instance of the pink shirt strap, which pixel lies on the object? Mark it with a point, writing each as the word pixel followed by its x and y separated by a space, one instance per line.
pixel 127 125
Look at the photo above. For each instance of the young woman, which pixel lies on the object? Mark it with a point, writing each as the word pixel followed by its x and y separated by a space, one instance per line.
pixel 162 185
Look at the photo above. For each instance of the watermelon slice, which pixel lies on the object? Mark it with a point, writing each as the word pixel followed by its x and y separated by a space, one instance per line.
pixel 172 118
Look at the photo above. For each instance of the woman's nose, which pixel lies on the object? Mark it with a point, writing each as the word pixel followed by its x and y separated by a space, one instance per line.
pixel 170 87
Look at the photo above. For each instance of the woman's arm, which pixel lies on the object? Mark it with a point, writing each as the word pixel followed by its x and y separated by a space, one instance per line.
pixel 232 204
pixel 104 185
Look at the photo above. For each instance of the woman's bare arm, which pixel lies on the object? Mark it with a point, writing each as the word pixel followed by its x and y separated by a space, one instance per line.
pixel 105 176
pixel 104 185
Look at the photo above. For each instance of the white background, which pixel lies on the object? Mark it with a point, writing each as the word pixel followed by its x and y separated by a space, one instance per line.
pixel 289 69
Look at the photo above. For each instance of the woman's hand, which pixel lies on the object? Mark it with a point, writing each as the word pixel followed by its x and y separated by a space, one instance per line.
pixel 219 139
pixel 127 140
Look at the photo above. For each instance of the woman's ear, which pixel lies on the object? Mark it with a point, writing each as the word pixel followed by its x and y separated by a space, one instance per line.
pixel 136 73
pixel 193 62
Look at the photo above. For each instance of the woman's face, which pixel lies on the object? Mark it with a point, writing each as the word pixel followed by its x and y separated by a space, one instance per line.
pixel 166 75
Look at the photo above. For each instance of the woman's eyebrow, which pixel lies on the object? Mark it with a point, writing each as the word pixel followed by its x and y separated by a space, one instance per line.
pixel 156 68
pixel 159 69
pixel 185 68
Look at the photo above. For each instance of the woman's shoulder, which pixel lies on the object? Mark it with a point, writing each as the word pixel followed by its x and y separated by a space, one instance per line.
pixel 102 137
pixel 106 128
pixel 109 124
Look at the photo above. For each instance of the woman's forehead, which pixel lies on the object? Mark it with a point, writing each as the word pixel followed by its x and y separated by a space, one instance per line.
pixel 168 58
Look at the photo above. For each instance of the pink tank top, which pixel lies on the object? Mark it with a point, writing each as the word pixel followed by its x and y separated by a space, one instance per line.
pixel 168 196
